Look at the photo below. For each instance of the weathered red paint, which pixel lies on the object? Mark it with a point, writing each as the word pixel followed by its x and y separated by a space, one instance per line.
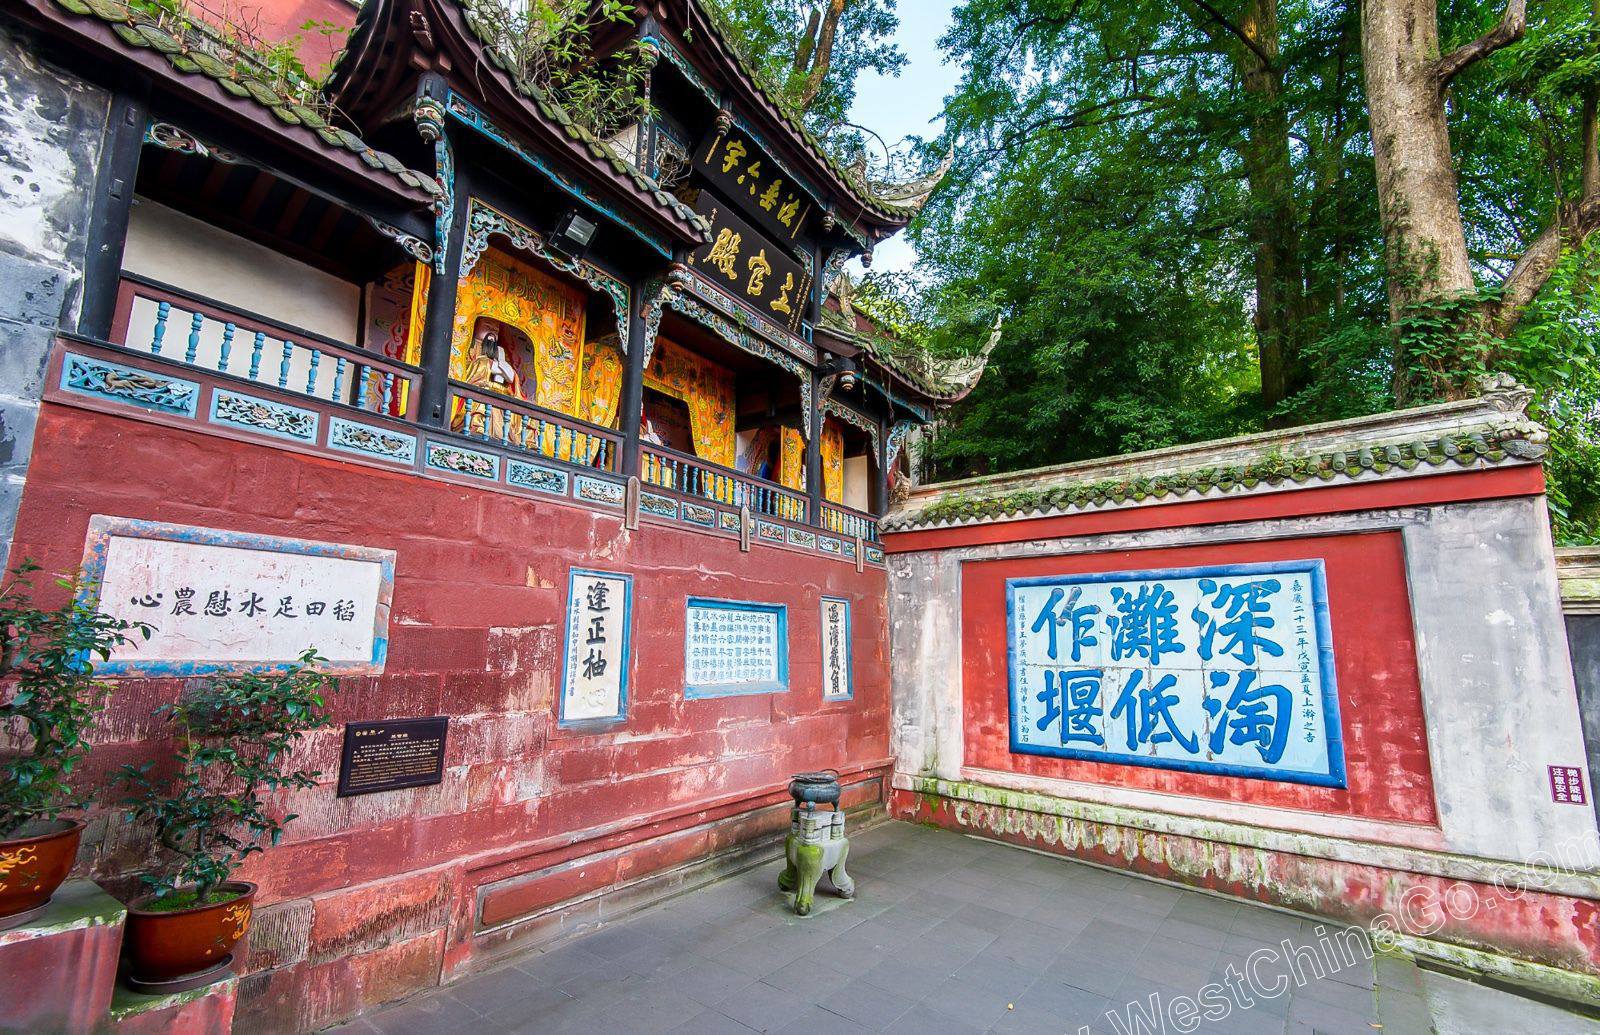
pixel 349 906
pixel 208 1014
pixel 1556 930
pixel 1427 490
pixel 57 980
pixel 1380 697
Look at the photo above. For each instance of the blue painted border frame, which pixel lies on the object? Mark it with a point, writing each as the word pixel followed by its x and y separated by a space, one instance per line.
pixel 704 691
pixel 103 528
pixel 849 652
pixel 1315 568
pixel 567 659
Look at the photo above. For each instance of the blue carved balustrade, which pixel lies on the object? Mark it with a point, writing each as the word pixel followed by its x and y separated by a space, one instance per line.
pixel 163 322
pixel 678 472
pixel 512 424
pixel 849 522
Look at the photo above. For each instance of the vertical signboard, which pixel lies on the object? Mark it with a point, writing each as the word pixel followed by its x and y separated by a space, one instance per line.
pixel 599 626
pixel 1225 670
pixel 836 677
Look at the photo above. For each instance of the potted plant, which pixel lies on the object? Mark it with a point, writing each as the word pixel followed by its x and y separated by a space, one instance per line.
pixel 210 810
pixel 48 701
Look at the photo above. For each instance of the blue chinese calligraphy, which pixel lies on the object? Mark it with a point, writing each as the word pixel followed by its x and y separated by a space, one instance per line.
pixel 732 647
pixel 1225 670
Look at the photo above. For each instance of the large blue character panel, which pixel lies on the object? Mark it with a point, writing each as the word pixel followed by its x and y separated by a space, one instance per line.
pixel 1220 669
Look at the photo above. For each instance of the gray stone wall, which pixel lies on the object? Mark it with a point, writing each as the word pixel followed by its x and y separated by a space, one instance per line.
pixel 1583 640
pixel 52 127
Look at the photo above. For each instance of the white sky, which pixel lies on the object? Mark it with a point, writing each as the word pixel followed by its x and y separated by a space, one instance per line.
pixel 910 104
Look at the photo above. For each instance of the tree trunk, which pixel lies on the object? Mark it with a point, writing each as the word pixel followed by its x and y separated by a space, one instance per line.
pixel 822 56
pixel 1274 222
pixel 808 42
pixel 1425 248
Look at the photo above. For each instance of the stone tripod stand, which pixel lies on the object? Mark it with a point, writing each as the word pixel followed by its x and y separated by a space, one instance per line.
pixel 816 844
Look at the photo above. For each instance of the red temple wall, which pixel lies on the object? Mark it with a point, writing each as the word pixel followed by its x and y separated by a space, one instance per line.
pixel 369 897
pixel 1385 735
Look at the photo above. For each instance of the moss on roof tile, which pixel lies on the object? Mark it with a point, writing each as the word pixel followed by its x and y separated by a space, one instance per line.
pixel 1515 441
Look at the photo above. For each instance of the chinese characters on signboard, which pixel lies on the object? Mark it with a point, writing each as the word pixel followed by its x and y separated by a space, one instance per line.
pixel 391 755
pixel 228 601
pixel 1566 785
pixel 748 265
pixel 836 650
pixel 599 611
pixel 1225 670
pixel 735 648
pixel 738 169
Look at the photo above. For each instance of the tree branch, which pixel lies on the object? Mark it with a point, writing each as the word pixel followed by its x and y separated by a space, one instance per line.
pixel 1244 37
pixel 1519 287
pixel 1591 125
pixel 1513 23
pixel 822 59
pixel 1076 119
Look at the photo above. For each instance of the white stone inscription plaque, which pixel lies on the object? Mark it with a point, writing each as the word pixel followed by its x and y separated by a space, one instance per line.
pixel 599 623
pixel 222 601
pixel 836 684
pixel 734 647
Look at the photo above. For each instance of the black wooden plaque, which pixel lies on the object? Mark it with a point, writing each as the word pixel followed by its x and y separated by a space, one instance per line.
pixel 392 754
pixel 750 266
pixel 736 166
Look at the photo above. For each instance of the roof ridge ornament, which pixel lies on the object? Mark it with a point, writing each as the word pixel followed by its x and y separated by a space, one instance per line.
pixel 908 197
pixel 1505 393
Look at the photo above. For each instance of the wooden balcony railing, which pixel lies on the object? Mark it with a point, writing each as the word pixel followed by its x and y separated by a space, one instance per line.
pixel 182 328
pixel 512 424
pixel 179 328
pixel 669 469
pixel 849 522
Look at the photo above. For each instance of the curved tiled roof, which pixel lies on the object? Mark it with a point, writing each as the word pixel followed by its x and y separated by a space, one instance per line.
pixel 941 381
pixel 1488 431
pixel 898 203
pixel 600 149
pixel 196 53
pixel 366 56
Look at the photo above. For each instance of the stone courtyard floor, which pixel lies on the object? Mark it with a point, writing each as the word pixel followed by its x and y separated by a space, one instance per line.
pixel 948 934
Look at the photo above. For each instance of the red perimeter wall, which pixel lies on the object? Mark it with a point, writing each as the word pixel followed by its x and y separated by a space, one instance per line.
pixel 371 896
pixel 1380 698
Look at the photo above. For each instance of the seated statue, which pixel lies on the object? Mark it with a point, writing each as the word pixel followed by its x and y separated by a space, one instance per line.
pixel 488 369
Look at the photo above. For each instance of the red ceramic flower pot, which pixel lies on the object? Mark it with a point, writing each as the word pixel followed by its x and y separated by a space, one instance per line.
pixel 34 863
pixel 164 945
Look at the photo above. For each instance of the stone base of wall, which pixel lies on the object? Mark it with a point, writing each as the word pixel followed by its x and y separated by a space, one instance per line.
pixel 1547 942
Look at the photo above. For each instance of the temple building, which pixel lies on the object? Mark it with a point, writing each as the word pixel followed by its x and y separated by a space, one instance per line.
pixel 423 310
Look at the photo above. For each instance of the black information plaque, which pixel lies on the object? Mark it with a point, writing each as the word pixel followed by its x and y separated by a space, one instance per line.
pixel 391 754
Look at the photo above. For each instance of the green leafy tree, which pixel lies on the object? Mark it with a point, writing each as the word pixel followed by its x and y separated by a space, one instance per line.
pixel 810 52
pixel 549 45
pixel 49 697
pixel 1180 212
pixel 211 809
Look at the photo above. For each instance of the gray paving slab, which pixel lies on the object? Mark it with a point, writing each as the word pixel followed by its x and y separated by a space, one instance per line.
pixel 949 936
pixel 867 1004
pixel 1464 1008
